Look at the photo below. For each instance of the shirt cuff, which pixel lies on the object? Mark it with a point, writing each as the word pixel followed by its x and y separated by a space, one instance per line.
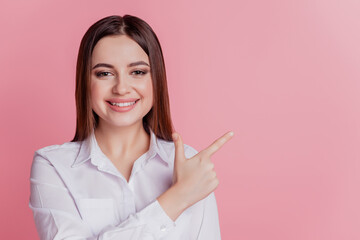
pixel 159 222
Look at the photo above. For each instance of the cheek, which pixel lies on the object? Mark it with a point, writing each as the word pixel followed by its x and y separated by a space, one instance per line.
pixel 150 93
pixel 95 93
pixel 145 89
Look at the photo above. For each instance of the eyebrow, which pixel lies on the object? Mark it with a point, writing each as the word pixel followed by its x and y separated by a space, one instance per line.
pixel 129 65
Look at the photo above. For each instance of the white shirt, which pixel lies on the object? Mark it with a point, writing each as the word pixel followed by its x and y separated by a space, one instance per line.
pixel 77 193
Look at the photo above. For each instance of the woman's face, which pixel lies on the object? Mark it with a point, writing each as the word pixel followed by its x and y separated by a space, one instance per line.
pixel 121 85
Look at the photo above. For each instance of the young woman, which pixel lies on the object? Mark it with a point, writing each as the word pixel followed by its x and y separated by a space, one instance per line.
pixel 126 174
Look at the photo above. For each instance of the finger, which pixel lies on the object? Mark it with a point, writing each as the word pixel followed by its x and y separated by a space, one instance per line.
pixel 179 147
pixel 217 144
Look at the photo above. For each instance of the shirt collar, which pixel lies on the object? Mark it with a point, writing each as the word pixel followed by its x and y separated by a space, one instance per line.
pixel 89 150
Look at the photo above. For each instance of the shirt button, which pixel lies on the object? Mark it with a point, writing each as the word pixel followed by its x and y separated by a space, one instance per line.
pixel 163 228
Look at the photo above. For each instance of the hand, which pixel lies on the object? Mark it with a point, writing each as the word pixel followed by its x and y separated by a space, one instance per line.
pixel 195 177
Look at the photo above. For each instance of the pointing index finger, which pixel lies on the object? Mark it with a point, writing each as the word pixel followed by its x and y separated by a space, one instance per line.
pixel 218 143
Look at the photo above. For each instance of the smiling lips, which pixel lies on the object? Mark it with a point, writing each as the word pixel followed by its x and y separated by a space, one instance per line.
pixel 122 105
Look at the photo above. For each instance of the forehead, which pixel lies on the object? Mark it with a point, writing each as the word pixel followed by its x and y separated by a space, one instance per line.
pixel 118 49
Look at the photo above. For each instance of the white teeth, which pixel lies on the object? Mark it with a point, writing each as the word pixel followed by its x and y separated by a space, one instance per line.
pixel 123 104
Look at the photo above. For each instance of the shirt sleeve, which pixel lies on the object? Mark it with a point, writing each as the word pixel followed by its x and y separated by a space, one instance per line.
pixel 57 217
pixel 210 227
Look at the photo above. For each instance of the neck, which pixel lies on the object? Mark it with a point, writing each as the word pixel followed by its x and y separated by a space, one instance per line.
pixel 122 142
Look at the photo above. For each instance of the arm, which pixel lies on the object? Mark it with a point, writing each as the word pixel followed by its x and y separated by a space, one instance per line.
pixel 210 229
pixel 56 214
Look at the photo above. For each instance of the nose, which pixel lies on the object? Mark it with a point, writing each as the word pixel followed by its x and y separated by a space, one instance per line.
pixel 121 85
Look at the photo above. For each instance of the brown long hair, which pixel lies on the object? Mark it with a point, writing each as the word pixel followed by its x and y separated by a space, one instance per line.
pixel 158 119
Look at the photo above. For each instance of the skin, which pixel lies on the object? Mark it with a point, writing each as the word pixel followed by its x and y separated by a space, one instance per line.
pixel 194 178
pixel 121 136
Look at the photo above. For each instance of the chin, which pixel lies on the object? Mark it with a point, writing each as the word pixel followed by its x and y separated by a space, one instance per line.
pixel 121 124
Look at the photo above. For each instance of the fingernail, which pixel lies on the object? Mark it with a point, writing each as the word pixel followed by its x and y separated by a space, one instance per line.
pixel 231 133
pixel 175 136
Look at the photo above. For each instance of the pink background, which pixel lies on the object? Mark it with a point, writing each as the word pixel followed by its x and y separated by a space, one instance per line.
pixel 283 75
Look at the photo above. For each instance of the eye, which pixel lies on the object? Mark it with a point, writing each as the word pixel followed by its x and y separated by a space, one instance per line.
pixel 139 72
pixel 103 74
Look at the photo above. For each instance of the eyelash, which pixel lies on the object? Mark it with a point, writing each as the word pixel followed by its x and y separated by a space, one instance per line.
pixel 100 74
pixel 139 72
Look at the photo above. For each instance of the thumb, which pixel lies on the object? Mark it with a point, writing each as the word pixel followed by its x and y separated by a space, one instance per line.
pixel 179 147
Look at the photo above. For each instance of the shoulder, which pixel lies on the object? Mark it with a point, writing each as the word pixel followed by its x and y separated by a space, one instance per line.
pixel 59 148
pixel 169 148
pixel 47 160
pixel 66 151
